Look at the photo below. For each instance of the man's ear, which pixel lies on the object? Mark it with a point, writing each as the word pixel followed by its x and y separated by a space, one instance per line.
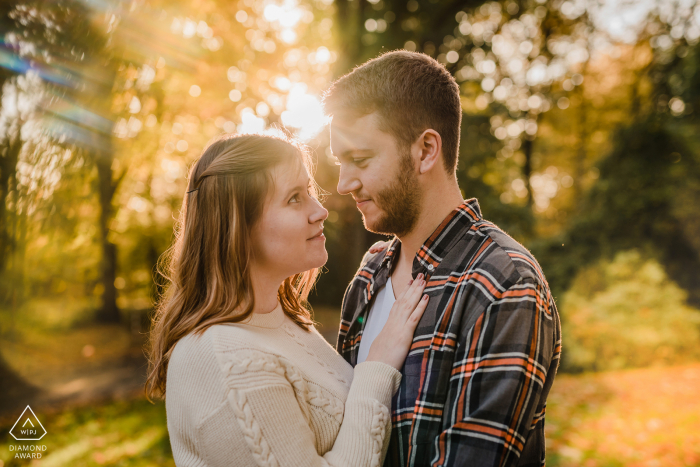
pixel 429 145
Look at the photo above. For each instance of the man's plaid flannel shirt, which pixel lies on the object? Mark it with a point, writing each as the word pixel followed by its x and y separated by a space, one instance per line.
pixel 484 355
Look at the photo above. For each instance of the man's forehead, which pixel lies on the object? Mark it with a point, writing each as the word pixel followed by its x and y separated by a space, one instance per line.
pixel 353 134
pixel 344 137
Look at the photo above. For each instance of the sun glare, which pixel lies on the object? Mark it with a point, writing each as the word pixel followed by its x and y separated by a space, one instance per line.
pixel 304 111
pixel 250 123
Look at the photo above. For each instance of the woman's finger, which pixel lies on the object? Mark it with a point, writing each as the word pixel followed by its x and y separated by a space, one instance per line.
pixel 412 296
pixel 417 313
pixel 379 246
pixel 407 290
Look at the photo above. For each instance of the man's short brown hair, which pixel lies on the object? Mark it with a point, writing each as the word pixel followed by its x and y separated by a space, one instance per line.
pixel 411 92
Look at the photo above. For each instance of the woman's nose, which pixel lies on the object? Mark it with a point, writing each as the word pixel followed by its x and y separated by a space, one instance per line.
pixel 319 214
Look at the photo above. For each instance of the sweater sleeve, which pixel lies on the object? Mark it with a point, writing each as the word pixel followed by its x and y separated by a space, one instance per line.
pixel 269 400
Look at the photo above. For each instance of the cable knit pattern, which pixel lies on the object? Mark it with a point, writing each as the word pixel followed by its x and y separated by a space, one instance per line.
pixel 241 361
pixel 251 430
pixel 378 431
pixel 291 332
pixel 267 393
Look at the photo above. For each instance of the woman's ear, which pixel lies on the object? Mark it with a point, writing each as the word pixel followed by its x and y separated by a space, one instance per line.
pixel 429 144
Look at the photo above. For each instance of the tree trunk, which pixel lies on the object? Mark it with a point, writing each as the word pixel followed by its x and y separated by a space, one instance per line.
pixel 8 224
pixel 100 149
pixel 109 312
pixel 580 164
pixel 527 146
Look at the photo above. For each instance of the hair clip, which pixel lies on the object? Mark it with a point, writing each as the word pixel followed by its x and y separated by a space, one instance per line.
pixel 192 191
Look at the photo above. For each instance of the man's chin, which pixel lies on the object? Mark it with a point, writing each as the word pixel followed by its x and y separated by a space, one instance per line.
pixel 383 226
pixel 369 220
pixel 375 225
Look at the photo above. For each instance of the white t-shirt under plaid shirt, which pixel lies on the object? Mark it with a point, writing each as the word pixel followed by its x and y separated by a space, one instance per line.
pixel 377 318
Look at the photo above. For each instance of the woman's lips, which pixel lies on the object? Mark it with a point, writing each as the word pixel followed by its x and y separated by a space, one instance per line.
pixel 318 236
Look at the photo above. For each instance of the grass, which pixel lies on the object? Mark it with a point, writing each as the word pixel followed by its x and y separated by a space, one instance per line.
pixel 127 433
pixel 646 417
pixel 632 418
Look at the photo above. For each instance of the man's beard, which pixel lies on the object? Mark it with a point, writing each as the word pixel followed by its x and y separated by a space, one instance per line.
pixel 400 202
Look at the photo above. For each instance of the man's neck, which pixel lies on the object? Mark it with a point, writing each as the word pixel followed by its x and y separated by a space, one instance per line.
pixel 435 207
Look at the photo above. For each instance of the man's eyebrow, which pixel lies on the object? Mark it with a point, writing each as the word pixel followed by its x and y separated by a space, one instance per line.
pixel 352 152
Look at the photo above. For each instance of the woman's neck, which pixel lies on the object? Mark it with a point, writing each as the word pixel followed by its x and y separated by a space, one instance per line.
pixel 265 287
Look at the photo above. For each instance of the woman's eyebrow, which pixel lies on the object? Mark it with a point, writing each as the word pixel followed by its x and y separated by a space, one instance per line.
pixel 292 190
pixel 298 188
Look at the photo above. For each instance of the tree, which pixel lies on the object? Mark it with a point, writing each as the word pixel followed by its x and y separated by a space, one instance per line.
pixel 649 183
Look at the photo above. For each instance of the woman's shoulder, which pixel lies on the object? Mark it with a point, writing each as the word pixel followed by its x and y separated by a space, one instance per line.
pixel 194 347
pixel 221 353
pixel 214 344
pixel 194 373
pixel 239 348
pixel 235 337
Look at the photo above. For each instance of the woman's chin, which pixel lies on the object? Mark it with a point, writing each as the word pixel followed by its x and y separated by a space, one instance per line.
pixel 319 259
pixel 322 260
pixel 314 262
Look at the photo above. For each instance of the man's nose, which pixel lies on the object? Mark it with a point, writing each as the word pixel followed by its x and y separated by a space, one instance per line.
pixel 347 182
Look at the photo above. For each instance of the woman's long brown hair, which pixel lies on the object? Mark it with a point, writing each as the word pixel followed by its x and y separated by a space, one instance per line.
pixel 208 266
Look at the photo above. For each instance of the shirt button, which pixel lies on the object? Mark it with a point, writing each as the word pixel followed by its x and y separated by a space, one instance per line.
pixel 430 267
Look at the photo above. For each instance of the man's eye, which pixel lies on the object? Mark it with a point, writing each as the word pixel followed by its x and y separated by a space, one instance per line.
pixel 359 161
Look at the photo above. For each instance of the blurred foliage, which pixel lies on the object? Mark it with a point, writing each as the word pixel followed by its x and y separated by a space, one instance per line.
pixel 646 192
pixel 648 201
pixel 579 137
pixel 627 313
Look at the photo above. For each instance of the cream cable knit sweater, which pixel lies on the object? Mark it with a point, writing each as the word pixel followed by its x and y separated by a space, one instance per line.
pixel 267 393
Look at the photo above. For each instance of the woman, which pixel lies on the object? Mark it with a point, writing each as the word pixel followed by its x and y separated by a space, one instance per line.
pixel 249 380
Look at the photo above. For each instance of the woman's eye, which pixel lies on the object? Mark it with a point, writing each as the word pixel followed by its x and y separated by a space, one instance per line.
pixel 294 199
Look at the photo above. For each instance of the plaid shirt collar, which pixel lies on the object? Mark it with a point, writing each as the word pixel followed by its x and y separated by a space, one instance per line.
pixel 440 242
pixel 434 249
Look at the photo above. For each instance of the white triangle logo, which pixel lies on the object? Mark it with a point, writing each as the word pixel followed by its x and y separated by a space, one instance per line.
pixel 28 427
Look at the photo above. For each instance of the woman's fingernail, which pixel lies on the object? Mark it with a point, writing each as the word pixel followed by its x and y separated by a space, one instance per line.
pixel 425 297
pixel 410 282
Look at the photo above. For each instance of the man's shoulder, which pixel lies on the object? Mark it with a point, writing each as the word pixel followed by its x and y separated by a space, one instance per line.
pixel 372 259
pixel 502 252
pixel 368 267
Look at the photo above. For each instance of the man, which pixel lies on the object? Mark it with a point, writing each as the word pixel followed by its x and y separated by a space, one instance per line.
pixel 485 353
